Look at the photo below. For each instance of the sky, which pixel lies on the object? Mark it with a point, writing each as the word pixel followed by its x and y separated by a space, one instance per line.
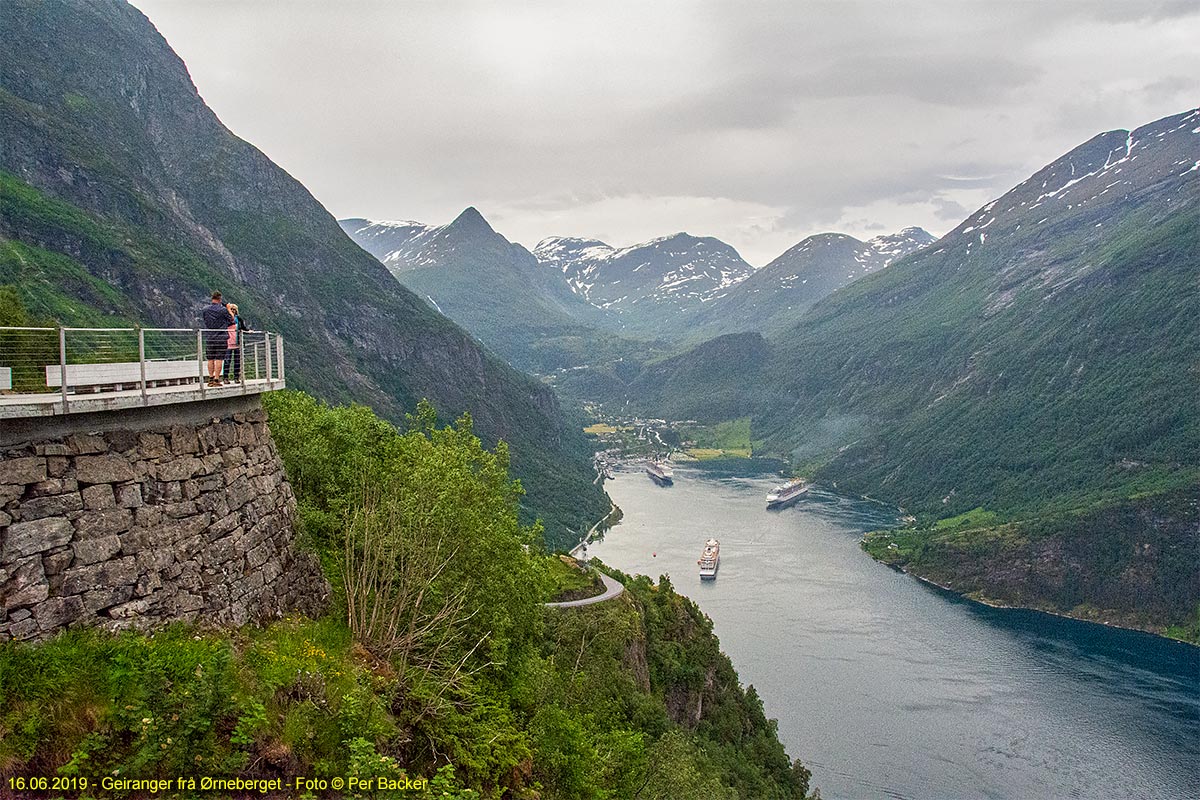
pixel 759 123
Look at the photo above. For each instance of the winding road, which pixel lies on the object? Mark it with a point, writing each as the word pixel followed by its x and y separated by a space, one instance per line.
pixel 612 588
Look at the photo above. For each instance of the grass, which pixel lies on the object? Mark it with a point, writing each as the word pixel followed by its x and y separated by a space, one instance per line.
pixel 975 518
pixel 601 429
pixel 568 581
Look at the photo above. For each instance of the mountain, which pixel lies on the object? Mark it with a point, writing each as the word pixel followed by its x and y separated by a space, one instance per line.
pixel 1038 362
pixel 122 196
pixel 495 289
pixel 649 288
pixel 774 297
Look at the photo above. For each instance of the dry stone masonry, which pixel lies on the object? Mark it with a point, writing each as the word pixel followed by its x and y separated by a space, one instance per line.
pixel 149 523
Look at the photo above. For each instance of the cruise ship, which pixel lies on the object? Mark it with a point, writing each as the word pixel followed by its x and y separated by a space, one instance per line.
pixel 788 493
pixel 660 472
pixel 710 560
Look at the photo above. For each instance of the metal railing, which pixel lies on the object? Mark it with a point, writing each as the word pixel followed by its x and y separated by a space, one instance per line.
pixel 64 365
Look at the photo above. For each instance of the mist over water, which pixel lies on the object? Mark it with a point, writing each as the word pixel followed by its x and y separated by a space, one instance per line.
pixel 887 687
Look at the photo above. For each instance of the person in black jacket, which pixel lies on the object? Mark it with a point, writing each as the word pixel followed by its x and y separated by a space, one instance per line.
pixel 217 320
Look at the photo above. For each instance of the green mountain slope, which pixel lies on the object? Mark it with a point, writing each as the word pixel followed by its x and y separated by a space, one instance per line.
pixel 497 290
pixel 773 298
pixel 122 194
pixel 1040 357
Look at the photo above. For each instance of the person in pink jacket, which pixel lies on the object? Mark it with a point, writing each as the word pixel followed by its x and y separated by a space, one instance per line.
pixel 233 352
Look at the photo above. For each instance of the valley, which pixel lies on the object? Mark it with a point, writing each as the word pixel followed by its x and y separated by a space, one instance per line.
pixel 1036 362
pixel 984 580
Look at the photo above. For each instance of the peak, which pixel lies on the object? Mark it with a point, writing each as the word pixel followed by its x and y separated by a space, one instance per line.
pixel 470 220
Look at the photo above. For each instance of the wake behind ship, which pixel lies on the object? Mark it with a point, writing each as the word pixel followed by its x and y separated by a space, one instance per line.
pixel 660 472
pixel 788 493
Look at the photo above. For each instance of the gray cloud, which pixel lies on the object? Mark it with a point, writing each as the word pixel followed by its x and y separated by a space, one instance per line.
pixel 758 122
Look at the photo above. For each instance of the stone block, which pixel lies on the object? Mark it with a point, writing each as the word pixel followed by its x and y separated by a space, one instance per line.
pixel 179 469
pixel 258 556
pixel 100 599
pixel 138 541
pixel 109 522
pixel 57 466
pixel 185 602
pixel 214 463
pixel 210 483
pixel 5 519
pixel 227 434
pixel 222 526
pixel 28 538
pixel 191 489
pixel 147 516
pixel 52 449
pixel 184 440
pixel 256 415
pixel 29 469
pixel 51 486
pixel 10 492
pixel 184 508
pixel 129 495
pixel 122 440
pixel 216 503
pixel 92 551
pixel 103 469
pixel 122 572
pixel 99 497
pixel 25 629
pixel 54 563
pixel 153 445
pixel 26 584
pixel 238 493
pixel 57 612
pixel 147 584
pixel 86 444
pixel 130 610
pixel 171 492
pixel 219 552
pixel 51 506
pixel 246 435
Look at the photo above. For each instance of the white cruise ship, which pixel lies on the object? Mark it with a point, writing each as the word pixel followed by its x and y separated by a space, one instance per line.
pixel 786 494
pixel 710 560
pixel 660 472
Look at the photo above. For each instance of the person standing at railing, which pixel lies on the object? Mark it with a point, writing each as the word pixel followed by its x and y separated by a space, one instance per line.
pixel 217 320
pixel 233 352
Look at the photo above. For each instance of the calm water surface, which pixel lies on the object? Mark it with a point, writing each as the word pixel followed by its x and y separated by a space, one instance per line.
pixel 886 687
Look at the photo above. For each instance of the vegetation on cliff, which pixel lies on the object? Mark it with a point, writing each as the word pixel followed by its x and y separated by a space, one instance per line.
pixel 469 681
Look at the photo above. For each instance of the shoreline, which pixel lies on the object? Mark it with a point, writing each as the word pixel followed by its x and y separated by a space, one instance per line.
pixel 1004 606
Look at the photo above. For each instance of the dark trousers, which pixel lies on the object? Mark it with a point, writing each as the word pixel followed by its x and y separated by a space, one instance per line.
pixel 233 364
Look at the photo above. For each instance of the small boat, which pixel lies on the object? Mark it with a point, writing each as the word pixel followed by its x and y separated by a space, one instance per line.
pixel 660 472
pixel 710 560
pixel 788 493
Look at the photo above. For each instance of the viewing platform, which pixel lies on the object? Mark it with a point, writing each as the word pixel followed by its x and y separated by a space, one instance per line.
pixel 48 372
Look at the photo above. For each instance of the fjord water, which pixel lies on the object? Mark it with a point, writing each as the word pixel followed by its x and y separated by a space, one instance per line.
pixel 888 687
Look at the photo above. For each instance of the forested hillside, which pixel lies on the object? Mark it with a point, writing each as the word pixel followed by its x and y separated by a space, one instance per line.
pixel 122 196
pixel 437 659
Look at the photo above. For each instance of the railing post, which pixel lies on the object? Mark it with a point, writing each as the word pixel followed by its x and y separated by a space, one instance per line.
pixel 62 363
pixel 200 361
pixel 279 356
pixel 241 357
pixel 267 350
pixel 142 361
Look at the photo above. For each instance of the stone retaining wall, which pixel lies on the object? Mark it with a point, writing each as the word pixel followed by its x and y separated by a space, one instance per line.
pixel 147 522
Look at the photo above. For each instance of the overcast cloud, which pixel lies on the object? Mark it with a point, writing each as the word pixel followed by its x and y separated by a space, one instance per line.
pixel 759 123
